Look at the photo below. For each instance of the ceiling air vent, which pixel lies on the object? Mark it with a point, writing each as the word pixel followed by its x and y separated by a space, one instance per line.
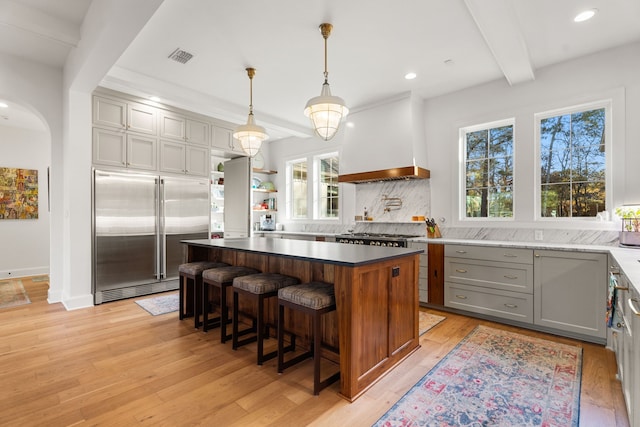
pixel 181 56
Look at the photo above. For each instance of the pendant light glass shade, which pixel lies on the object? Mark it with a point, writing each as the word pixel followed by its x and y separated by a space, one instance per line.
pixel 250 135
pixel 326 111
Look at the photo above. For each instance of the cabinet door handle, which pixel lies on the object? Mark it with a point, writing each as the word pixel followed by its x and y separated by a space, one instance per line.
pixel 507 276
pixel 622 288
pixel 630 301
pixel 510 256
pixel 511 306
pixel 459 270
pixel 537 255
pixel 461 252
pixel 461 297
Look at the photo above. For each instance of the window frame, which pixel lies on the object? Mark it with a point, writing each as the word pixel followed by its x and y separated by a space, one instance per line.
pixel 289 188
pixel 605 104
pixel 462 169
pixel 313 181
pixel 316 186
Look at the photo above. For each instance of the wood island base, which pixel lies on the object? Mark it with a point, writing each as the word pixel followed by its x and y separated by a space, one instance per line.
pixel 375 325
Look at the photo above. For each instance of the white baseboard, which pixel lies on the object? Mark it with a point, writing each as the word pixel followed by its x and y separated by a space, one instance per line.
pixel 79 302
pixel 24 272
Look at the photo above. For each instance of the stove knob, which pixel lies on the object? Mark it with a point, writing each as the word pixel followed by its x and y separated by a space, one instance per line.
pixel 377 243
pixel 383 244
pixel 361 242
pixel 396 244
pixel 372 243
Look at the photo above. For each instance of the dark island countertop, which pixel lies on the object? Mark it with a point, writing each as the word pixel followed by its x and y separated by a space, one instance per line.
pixel 328 252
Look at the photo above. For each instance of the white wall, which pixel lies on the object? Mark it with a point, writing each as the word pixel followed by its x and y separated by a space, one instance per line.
pixel 282 151
pixel 25 243
pixel 613 74
pixel 39 88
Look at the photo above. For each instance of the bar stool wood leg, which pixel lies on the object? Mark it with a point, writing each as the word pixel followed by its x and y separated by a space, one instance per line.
pixel 258 287
pixel 314 299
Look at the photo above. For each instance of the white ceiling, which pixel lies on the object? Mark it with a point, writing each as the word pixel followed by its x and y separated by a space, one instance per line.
pixel 450 44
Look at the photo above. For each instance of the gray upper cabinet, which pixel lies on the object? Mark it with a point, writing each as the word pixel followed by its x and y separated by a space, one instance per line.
pixel 180 158
pixel 197 132
pixel 124 115
pixel 223 140
pixel 120 149
pixel 570 291
pixel 172 126
pixel 130 134
pixel 175 126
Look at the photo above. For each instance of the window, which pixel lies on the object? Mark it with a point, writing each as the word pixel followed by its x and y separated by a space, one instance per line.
pixel 572 163
pixel 488 169
pixel 327 188
pixel 322 196
pixel 298 187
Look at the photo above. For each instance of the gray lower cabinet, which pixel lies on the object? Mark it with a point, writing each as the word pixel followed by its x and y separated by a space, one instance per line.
pixel 490 280
pixel 632 356
pixel 570 291
pixel 560 291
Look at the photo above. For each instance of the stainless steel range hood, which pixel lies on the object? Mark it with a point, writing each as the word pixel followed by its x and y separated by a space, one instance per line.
pixel 385 142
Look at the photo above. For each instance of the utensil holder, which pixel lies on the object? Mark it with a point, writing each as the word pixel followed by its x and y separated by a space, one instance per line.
pixel 435 234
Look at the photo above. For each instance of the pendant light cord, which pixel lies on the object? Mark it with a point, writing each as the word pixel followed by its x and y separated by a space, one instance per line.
pixel 251 72
pixel 325 29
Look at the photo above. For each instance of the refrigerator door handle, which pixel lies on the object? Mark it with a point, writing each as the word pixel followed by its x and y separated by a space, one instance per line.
pixel 162 233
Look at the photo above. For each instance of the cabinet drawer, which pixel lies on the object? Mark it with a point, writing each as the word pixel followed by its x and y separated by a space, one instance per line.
pixel 490 274
pixel 504 304
pixel 521 256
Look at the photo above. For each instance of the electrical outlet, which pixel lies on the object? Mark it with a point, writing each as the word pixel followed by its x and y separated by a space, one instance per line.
pixel 538 235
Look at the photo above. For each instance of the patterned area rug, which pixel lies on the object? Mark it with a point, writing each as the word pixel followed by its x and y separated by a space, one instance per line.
pixel 12 294
pixel 160 305
pixel 428 321
pixel 496 378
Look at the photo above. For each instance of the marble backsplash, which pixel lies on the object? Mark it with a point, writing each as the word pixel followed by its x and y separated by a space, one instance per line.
pixel 394 201
pixel 415 196
pixel 567 236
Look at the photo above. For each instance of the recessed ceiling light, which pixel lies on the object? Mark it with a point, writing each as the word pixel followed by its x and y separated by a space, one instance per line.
pixel 3 105
pixel 586 15
pixel 349 124
pixel 154 98
pixel 410 76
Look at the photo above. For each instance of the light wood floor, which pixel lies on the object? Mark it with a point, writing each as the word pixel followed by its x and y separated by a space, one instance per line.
pixel 114 364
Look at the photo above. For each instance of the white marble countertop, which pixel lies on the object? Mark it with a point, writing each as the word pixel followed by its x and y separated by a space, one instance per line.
pixel 512 244
pixel 628 259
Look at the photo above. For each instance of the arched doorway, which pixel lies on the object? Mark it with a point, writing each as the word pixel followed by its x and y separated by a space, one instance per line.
pixel 25 159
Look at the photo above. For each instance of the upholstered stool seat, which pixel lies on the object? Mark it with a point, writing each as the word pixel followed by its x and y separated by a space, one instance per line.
pixel 191 287
pixel 315 299
pixel 259 287
pixel 221 278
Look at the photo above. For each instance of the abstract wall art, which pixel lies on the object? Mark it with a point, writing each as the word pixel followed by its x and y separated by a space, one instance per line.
pixel 18 193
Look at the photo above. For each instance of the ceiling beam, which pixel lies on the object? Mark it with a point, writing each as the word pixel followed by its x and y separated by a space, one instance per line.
pixel 32 20
pixel 498 24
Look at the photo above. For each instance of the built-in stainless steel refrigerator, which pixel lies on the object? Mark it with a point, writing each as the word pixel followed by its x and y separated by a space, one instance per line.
pixel 138 223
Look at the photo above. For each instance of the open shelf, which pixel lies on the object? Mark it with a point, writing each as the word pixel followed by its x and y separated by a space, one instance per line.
pixel 264 171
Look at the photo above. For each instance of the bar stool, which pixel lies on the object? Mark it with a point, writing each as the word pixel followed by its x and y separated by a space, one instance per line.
pixel 259 287
pixel 315 299
pixel 221 278
pixel 191 273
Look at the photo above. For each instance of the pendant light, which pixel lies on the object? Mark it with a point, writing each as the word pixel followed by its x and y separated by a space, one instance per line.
pixel 250 135
pixel 326 111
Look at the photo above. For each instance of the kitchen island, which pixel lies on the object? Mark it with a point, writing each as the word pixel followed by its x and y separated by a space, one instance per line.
pixel 375 325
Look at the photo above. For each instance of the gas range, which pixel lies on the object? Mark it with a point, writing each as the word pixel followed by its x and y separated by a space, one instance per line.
pixel 375 239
